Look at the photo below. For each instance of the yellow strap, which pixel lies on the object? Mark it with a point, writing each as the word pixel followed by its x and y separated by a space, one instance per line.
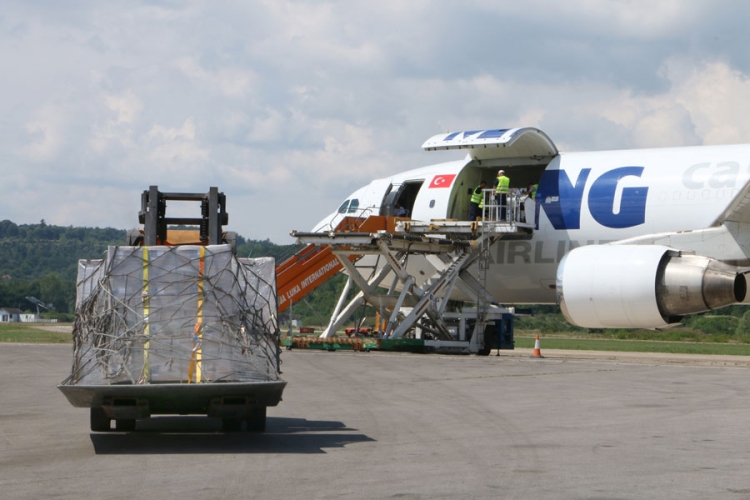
pixel 197 358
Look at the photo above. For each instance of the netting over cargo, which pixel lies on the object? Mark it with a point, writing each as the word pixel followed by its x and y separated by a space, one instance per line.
pixel 186 314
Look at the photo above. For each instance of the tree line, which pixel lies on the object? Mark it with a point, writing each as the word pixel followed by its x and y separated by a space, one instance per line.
pixel 41 260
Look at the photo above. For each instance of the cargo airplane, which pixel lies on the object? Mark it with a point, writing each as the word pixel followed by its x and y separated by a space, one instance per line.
pixel 619 239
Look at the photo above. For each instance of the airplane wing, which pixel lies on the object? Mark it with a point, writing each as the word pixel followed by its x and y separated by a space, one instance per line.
pixel 738 210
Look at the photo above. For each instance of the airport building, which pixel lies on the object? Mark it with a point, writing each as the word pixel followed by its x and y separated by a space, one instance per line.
pixel 10 315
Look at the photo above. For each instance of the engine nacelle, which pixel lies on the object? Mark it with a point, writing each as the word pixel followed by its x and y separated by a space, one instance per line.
pixel 642 286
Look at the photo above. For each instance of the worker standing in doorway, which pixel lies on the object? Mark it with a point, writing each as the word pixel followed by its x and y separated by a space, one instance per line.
pixel 502 186
pixel 476 199
pixel 531 190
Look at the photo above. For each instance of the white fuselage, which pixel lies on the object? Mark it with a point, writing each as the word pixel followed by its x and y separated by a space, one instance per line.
pixel 674 196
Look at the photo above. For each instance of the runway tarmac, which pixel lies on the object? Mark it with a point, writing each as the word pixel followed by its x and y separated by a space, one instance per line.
pixel 401 426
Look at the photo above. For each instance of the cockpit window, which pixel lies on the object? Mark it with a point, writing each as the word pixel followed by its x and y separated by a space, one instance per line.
pixel 349 206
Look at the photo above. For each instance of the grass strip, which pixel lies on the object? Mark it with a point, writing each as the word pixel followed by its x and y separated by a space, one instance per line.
pixel 20 333
pixel 635 346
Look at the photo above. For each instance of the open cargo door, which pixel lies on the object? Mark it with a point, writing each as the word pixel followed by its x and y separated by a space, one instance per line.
pixel 528 144
pixel 523 153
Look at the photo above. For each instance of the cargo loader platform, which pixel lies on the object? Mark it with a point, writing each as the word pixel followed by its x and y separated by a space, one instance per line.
pixel 457 252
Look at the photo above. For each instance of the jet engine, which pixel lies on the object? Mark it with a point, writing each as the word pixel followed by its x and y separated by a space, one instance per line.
pixel 642 286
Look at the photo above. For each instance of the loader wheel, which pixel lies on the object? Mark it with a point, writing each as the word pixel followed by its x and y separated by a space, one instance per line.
pixel 99 420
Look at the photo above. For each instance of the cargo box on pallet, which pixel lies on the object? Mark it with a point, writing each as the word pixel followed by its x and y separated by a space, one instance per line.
pixel 175 330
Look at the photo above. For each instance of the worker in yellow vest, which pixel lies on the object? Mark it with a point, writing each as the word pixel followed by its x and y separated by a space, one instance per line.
pixel 476 198
pixel 502 186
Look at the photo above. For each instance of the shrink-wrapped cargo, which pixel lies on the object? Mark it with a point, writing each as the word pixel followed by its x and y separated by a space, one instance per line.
pixel 175 316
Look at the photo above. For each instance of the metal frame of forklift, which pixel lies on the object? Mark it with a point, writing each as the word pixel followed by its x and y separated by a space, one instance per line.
pixel 155 221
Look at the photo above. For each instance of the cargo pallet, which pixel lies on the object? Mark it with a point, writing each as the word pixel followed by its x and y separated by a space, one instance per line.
pixel 174 323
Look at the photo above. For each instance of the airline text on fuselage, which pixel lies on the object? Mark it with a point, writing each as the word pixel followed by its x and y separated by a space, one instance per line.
pixel 561 199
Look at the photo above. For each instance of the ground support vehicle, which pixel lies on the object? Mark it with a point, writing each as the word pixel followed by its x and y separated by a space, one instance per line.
pixel 176 328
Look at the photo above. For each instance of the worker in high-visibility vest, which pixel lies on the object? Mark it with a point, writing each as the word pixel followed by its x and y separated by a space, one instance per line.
pixel 476 198
pixel 502 186
pixel 529 195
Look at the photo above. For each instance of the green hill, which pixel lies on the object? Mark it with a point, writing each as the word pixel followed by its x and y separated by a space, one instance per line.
pixel 40 260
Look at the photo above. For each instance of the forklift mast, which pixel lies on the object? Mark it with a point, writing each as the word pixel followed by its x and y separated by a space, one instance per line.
pixel 156 225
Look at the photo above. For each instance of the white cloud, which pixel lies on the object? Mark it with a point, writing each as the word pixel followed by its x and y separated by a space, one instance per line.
pixel 351 153
pixel 159 133
pixel 127 106
pixel 635 19
pixel 46 133
pixel 667 126
pixel 118 129
pixel 707 102
pixel 268 128
pixel 288 102
pixel 231 82
pixel 176 152
pixel 718 100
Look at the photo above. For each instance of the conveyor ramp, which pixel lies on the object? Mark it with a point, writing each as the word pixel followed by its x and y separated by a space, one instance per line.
pixel 304 272
pixel 315 264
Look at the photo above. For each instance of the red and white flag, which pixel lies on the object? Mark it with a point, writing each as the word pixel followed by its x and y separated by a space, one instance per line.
pixel 442 181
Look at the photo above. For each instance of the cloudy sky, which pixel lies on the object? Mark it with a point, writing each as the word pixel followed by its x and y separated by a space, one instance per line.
pixel 288 106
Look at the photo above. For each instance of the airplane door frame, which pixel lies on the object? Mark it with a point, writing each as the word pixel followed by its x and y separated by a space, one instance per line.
pixel 395 194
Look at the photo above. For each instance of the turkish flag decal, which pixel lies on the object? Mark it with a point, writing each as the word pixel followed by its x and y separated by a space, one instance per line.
pixel 442 181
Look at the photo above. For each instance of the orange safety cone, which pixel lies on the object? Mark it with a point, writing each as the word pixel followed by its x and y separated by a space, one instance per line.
pixel 537 349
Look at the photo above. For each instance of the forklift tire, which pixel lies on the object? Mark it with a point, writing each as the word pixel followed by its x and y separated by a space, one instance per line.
pixel 125 424
pixel 99 420
pixel 231 425
pixel 257 420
